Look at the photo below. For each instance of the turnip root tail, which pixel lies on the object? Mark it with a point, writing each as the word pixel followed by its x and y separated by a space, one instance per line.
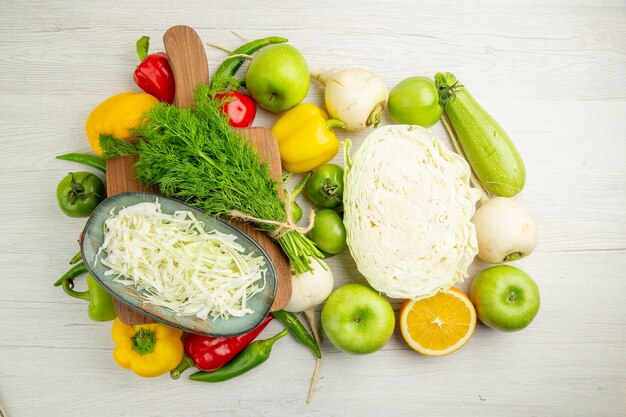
pixel 321 76
pixel 310 315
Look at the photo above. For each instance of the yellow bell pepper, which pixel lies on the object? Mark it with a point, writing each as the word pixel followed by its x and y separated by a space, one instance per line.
pixel 149 350
pixel 116 115
pixel 305 139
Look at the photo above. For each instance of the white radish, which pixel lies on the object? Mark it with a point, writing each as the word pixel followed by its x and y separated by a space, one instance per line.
pixel 310 289
pixel 355 96
pixel 505 230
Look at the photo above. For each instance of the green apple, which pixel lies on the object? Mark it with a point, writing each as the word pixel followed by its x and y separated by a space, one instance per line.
pixel 505 297
pixel 278 77
pixel 357 319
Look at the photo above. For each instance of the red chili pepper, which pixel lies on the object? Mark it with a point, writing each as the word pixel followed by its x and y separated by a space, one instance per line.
pixel 240 108
pixel 154 74
pixel 210 353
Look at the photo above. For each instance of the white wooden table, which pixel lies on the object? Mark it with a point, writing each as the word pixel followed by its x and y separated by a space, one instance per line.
pixel 553 75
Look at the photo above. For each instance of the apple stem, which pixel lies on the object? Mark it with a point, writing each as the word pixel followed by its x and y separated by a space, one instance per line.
pixel 310 315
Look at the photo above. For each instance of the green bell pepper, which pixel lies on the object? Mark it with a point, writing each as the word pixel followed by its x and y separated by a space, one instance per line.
pixel 100 302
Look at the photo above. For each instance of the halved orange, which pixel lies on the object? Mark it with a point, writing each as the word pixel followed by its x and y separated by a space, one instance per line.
pixel 438 325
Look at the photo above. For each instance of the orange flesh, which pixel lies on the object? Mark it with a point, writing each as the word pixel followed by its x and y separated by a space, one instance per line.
pixel 439 322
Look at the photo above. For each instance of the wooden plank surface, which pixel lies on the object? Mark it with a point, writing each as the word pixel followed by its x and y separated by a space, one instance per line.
pixel 552 73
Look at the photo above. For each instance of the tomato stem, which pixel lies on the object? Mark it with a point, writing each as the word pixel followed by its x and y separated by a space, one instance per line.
pixel 76 191
pixel 447 92
pixel 328 189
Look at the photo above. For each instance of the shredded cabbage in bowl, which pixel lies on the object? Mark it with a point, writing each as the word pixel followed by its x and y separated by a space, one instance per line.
pixel 180 265
pixel 407 212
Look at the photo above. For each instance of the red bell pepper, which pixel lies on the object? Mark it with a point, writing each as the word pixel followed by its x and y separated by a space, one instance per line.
pixel 154 74
pixel 239 108
pixel 209 353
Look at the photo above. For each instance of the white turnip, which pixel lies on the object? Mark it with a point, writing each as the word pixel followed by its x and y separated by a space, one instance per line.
pixel 355 96
pixel 505 231
pixel 310 289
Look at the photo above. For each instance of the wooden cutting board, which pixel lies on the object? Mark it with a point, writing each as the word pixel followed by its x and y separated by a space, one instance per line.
pixel 189 64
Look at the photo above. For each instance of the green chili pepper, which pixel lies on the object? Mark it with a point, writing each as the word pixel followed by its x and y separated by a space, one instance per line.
pixel 76 258
pixel 101 306
pixel 93 161
pixel 224 74
pixel 76 270
pixel 252 356
pixel 298 330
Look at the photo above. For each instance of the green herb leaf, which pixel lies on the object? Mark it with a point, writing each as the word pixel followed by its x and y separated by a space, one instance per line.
pixel 114 147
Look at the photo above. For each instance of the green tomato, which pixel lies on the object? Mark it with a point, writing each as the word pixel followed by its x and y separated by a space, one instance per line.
pixel 325 187
pixel 328 232
pixel 79 193
pixel 415 101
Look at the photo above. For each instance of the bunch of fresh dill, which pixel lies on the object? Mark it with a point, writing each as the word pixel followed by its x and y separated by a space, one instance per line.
pixel 194 155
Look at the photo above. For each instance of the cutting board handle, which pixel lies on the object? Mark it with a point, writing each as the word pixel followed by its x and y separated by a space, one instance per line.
pixel 185 52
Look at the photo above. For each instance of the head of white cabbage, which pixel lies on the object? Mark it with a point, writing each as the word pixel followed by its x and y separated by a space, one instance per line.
pixel 407 211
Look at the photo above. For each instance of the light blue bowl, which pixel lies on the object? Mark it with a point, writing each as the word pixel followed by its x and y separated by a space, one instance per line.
pixel 93 237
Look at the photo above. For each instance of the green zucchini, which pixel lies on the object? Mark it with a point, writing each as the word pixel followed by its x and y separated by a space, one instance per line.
pixel 490 152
